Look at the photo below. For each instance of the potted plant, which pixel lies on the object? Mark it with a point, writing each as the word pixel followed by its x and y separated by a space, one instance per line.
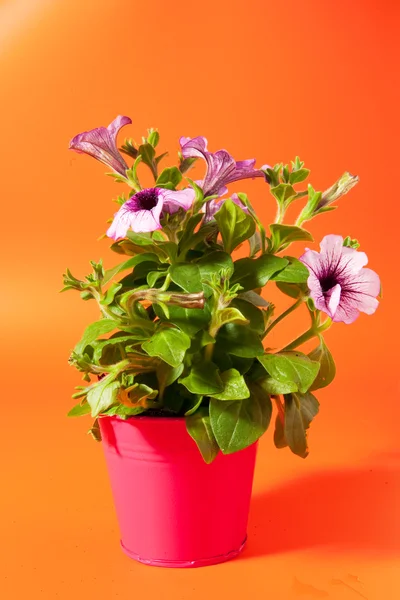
pixel 179 357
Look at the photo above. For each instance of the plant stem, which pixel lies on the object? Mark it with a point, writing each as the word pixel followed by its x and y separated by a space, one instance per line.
pixel 307 335
pixel 283 315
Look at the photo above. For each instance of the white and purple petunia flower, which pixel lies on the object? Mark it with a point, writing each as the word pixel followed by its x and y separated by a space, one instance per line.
pixel 143 211
pixel 338 283
pixel 101 143
pixel 222 169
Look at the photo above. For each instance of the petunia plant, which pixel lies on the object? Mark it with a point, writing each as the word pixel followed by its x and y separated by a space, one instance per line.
pixel 184 324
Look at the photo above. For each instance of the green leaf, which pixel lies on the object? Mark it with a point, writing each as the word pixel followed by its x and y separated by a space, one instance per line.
pixel 294 272
pixel 286 234
pixel 93 331
pixel 102 395
pixel 153 138
pixel 240 341
pixel 110 349
pixel 194 403
pixel 166 375
pixel 300 409
pixel 230 315
pixel 94 431
pixel 327 371
pixel 298 176
pixel 234 225
pixel 279 434
pixel 253 273
pixel 254 315
pixel 189 320
pixel 274 387
pixel 140 393
pixel 291 367
pixel 187 276
pixel 79 410
pixel 129 264
pixel 169 344
pixel 169 178
pixel 284 193
pixel 110 294
pixel 199 428
pixel 213 263
pixel 291 289
pixel 203 379
pixel 239 424
pixel 235 387
pixel 148 154
pixel 123 411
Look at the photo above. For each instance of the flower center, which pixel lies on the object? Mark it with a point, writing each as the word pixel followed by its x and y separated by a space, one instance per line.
pixel 146 199
pixel 328 282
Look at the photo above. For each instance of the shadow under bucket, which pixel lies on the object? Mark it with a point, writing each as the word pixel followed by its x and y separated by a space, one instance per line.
pixel 173 509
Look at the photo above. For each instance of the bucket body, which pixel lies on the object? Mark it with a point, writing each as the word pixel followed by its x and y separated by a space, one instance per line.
pixel 173 509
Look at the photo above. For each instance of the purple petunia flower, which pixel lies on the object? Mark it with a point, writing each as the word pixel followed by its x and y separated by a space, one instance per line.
pixel 221 166
pixel 101 143
pixel 142 212
pixel 338 283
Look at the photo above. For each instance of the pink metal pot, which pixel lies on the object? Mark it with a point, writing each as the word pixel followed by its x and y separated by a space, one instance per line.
pixel 173 509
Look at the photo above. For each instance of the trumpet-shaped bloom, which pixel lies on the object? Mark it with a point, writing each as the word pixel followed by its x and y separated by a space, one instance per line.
pixel 143 211
pixel 101 143
pixel 222 169
pixel 338 283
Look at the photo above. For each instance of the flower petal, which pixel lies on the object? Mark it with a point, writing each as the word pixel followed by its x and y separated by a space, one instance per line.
pixel 314 261
pixel 193 147
pixel 131 216
pixel 353 260
pixel 332 299
pixel 101 144
pixel 173 200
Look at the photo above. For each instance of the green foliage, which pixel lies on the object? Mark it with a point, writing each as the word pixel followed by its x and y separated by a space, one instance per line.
pixel 169 344
pixel 239 423
pixel 234 225
pixel 294 272
pixel 169 178
pixel 283 235
pixel 199 428
pixel 204 379
pixel 183 318
pixel 253 273
pixel 235 387
pixel 240 340
pixel 300 409
pixel 292 368
pixel 327 370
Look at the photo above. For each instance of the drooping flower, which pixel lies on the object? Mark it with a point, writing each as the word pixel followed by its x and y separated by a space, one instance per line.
pixel 101 143
pixel 222 169
pixel 338 283
pixel 341 187
pixel 213 206
pixel 142 212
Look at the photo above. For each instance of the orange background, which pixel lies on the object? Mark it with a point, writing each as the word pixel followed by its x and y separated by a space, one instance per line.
pixel 260 78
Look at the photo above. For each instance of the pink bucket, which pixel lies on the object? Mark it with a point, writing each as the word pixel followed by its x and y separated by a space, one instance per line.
pixel 173 509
